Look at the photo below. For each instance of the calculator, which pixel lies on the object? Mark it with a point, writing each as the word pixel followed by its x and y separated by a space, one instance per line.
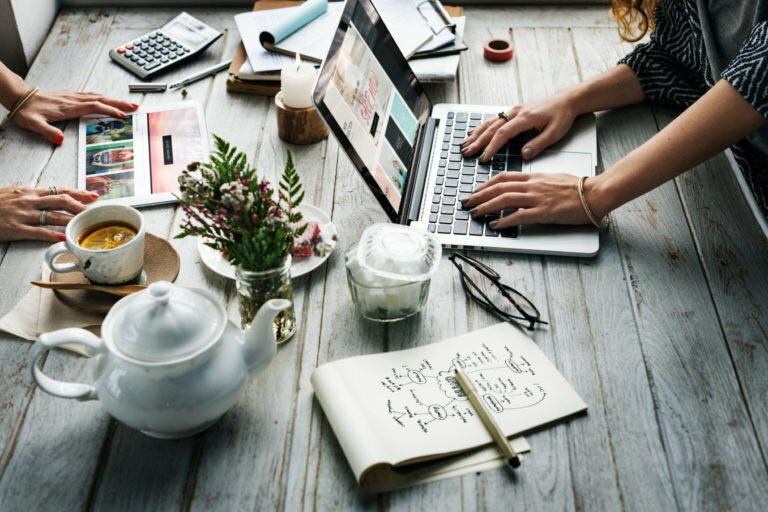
pixel 178 40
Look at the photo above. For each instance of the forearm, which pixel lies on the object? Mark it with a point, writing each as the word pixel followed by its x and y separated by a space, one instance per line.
pixel 12 87
pixel 717 120
pixel 617 87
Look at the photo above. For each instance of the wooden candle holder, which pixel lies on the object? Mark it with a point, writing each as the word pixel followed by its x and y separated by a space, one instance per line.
pixel 299 125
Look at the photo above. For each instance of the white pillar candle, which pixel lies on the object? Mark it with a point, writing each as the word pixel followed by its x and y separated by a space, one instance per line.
pixel 297 81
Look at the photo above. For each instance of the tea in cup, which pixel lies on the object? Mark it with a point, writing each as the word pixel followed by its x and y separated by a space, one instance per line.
pixel 107 243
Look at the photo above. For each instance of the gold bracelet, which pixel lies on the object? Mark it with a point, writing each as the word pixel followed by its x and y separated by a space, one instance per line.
pixel 584 205
pixel 21 102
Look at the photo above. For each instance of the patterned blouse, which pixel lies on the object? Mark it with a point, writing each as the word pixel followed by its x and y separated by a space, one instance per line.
pixel 674 69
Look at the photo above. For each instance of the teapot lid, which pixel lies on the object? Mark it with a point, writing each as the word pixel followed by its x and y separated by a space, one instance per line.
pixel 164 323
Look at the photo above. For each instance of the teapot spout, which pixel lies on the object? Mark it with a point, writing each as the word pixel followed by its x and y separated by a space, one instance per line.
pixel 260 343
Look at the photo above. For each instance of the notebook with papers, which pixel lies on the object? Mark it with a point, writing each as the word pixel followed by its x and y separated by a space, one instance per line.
pixel 407 149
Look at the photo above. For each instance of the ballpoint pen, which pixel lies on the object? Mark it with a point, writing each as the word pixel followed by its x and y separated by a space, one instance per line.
pixel 510 455
pixel 202 74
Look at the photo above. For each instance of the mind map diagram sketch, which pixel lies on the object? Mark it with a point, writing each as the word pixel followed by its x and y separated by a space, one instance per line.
pixel 423 395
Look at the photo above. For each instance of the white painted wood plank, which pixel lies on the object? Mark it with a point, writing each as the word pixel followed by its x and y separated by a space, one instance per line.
pixel 696 394
pixel 276 420
pixel 642 471
pixel 537 16
pixel 566 340
pixel 133 460
pixel 23 158
pixel 540 486
pixel 734 252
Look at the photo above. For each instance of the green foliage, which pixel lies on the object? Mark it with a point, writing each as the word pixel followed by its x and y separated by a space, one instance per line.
pixel 237 213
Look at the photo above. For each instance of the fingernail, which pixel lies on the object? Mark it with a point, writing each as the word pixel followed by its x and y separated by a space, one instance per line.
pixel 473 212
pixel 528 152
pixel 482 157
pixel 58 139
pixel 123 114
pixel 464 201
pixel 62 237
pixel 135 106
pixel 464 150
pixel 94 195
pixel 493 223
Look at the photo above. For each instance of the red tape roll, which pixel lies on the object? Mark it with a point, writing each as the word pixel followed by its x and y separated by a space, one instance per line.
pixel 498 50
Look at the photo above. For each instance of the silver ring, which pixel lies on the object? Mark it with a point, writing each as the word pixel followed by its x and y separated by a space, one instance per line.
pixel 43 218
pixel 504 116
pixel 53 191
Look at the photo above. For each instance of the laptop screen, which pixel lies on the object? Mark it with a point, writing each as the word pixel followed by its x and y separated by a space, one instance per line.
pixel 373 103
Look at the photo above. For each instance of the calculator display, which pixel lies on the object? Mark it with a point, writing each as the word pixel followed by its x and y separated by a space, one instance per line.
pixel 184 33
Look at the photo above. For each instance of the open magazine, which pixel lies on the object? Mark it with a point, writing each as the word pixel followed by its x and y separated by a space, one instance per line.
pixel 137 161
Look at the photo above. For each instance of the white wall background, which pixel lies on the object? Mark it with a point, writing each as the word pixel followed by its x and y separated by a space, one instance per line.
pixel 34 19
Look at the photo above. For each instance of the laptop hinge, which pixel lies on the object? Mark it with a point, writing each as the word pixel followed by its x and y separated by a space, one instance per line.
pixel 415 192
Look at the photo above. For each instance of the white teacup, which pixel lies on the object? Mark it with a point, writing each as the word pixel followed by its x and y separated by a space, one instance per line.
pixel 103 266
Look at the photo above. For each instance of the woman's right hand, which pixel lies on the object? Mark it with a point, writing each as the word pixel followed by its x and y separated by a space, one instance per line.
pixel 552 117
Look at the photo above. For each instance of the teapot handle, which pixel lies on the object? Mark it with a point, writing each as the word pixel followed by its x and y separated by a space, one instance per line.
pixel 92 345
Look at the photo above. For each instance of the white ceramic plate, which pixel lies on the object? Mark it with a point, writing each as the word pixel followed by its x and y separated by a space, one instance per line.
pixel 215 261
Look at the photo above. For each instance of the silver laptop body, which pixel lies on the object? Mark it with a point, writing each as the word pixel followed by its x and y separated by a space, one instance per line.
pixel 406 148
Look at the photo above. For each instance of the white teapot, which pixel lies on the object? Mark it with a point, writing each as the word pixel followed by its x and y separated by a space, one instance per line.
pixel 169 362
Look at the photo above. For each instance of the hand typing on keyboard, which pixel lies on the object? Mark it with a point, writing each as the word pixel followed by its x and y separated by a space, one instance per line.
pixel 532 199
pixel 550 117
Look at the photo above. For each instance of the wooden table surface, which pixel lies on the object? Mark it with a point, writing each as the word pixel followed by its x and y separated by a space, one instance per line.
pixel 663 333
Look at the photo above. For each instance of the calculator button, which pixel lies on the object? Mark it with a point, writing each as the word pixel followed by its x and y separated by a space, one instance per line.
pixel 152 35
pixel 121 50
pixel 163 59
pixel 186 50
pixel 179 53
pixel 141 62
pixel 164 51
pixel 151 65
pixel 129 47
pixel 144 39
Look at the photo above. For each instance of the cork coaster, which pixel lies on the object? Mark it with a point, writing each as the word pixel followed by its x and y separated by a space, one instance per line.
pixel 161 263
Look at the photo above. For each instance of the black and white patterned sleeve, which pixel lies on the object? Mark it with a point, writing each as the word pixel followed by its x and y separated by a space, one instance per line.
pixel 663 79
pixel 748 72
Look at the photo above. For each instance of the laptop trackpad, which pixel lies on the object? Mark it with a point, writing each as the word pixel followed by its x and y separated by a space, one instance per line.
pixel 579 164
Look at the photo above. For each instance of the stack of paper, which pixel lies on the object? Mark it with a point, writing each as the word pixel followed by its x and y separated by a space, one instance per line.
pixel 276 30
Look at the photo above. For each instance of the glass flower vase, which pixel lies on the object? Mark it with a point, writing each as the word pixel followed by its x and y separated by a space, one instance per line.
pixel 256 288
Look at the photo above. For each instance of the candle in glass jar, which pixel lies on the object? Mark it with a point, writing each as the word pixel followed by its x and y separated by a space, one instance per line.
pixel 297 82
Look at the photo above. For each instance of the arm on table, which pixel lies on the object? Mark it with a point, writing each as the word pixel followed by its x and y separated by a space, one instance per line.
pixel 47 107
pixel 687 141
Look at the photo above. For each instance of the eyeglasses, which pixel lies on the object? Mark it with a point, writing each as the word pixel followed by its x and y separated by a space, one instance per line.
pixel 499 298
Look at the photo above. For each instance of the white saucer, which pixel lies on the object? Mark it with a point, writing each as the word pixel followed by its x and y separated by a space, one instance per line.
pixel 215 261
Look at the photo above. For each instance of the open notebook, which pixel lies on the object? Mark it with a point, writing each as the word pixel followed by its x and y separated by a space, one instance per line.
pixel 401 418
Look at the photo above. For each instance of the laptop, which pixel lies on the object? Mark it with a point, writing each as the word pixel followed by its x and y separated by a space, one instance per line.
pixel 407 149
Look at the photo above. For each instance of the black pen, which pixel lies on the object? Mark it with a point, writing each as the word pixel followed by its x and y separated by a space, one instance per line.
pixel 202 74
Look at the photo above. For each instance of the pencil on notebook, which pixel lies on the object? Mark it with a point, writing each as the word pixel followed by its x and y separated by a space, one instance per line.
pixel 509 453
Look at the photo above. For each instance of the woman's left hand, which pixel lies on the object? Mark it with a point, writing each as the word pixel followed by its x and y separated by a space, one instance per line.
pixel 47 107
pixel 535 199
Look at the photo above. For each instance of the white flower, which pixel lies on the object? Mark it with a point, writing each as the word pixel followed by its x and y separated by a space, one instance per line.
pixel 234 195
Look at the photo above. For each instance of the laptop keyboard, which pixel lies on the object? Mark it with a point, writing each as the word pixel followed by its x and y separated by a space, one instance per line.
pixel 457 178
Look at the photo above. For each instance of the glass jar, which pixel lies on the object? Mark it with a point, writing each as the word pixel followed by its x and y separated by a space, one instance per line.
pixel 389 271
pixel 256 288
